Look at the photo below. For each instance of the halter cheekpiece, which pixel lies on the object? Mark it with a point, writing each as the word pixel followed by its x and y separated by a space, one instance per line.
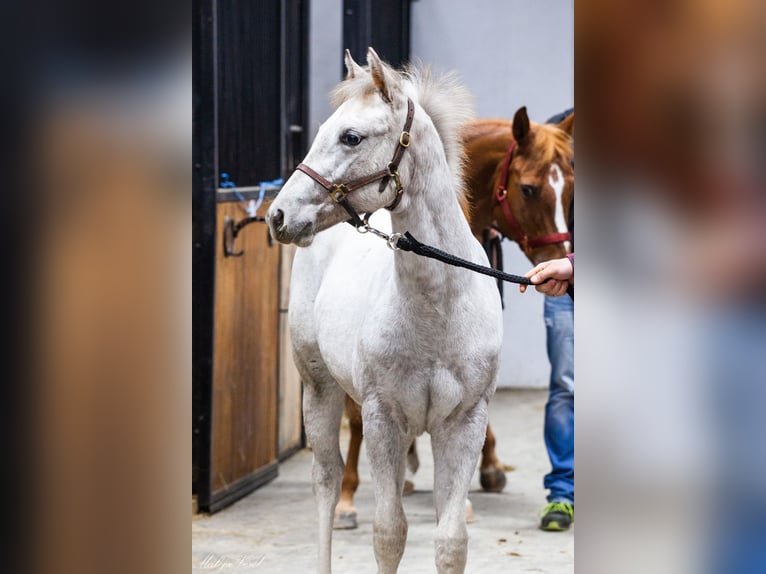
pixel 339 191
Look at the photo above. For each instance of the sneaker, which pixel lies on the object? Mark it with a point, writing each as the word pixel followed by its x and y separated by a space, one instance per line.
pixel 557 516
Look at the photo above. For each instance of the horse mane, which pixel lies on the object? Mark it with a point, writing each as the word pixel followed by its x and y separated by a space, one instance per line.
pixel 444 98
pixel 549 140
pixel 449 104
pixel 482 127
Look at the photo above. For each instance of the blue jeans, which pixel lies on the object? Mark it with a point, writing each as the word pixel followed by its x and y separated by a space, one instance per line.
pixel 559 411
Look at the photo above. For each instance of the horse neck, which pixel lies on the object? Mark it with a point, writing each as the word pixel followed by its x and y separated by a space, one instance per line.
pixel 482 177
pixel 433 215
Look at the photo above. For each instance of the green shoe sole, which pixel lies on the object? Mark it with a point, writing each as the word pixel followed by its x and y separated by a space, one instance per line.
pixel 554 526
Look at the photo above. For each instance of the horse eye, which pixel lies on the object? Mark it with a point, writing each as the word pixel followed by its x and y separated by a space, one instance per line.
pixel 350 139
pixel 528 191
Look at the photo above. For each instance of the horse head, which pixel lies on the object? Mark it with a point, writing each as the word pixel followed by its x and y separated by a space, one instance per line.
pixel 533 202
pixel 357 141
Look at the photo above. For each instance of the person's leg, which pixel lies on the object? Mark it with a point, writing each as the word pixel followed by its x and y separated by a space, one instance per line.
pixel 559 411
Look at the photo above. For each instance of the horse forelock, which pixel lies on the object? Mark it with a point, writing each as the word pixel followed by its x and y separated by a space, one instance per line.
pixel 552 142
pixel 444 99
pixel 351 88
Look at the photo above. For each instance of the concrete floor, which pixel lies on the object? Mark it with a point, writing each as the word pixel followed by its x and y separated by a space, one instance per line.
pixel 273 530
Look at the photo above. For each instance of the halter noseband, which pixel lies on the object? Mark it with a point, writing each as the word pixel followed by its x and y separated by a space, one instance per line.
pixel 339 191
pixel 517 233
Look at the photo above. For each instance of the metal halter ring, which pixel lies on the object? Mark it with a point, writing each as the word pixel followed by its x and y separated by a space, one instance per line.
pixel 337 189
pixel 404 139
pixel 392 240
pixel 394 172
pixel 363 228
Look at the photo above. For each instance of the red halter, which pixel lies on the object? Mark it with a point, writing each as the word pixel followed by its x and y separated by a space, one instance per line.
pixel 517 233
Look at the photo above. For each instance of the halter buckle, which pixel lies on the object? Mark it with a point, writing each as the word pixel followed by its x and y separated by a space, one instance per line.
pixel 338 192
pixel 405 139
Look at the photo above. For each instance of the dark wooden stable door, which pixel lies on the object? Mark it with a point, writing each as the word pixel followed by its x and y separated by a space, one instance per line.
pixel 250 70
pixel 249 113
pixel 382 25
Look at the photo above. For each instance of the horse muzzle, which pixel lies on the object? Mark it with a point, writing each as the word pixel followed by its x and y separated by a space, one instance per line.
pixel 285 230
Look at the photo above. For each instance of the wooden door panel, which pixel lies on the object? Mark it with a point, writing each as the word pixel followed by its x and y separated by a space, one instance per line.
pixel 245 359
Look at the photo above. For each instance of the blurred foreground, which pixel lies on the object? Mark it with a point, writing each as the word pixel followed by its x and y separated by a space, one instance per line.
pixel 671 270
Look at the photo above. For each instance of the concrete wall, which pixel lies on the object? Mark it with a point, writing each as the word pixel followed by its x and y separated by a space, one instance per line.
pixel 510 53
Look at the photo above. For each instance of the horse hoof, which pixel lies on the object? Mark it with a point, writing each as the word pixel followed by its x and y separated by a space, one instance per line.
pixel 469 517
pixel 408 489
pixel 344 521
pixel 492 480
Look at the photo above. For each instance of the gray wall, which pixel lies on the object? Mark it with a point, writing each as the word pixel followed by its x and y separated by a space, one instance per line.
pixel 325 58
pixel 510 53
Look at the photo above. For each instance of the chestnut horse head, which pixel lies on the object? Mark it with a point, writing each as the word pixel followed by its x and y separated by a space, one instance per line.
pixel 519 177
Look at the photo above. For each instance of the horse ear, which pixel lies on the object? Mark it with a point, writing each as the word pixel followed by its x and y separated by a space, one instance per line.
pixel 353 70
pixel 567 124
pixel 379 74
pixel 520 125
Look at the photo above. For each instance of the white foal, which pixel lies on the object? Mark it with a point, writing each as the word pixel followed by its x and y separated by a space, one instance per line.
pixel 414 341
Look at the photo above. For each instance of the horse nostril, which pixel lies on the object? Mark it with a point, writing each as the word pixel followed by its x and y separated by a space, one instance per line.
pixel 277 219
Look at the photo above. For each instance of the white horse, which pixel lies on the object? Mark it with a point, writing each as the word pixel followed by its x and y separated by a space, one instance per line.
pixel 414 341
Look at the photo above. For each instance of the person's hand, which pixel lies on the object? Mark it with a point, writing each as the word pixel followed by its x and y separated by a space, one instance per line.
pixel 557 272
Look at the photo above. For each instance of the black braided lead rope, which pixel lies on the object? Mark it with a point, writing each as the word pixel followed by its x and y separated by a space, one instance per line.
pixel 404 242
pixel 493 247
pixel 408 243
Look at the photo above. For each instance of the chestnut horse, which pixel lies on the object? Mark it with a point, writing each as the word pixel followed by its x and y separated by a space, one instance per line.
pixel 519 179
pixel 528 167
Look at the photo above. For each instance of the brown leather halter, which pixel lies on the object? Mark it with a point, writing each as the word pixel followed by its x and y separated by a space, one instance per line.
pixel 517 233
pixel 339 191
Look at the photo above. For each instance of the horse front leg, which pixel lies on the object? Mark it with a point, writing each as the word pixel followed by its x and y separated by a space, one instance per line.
pixel 456 446
pixel 345 511
pixel 386 450
pixel 491 473
pixel 322 412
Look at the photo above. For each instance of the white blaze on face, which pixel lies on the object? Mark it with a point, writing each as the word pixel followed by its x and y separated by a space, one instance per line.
pixel 556 179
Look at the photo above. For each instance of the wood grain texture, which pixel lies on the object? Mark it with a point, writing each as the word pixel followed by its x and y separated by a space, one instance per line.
pixel 246 352
pixel 290 396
